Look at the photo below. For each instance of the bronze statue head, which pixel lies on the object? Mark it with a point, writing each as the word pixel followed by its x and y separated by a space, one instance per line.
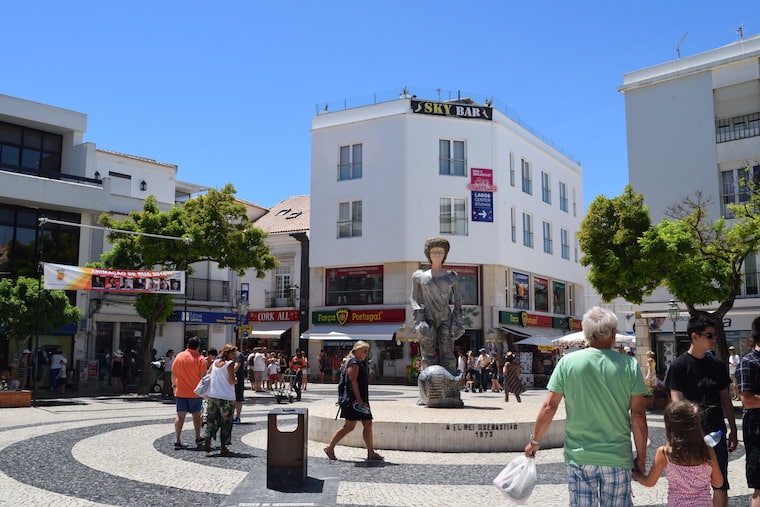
pixel 431 243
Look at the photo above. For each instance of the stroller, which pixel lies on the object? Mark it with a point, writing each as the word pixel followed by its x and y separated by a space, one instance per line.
pixel 157 375
pixel 286 388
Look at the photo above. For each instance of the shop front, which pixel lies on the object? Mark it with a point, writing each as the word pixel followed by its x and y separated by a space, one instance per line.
pixel 335 332
pixel 271 329
pixel 530 337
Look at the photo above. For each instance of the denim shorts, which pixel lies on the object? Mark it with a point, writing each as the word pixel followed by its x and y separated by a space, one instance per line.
pixel 191 405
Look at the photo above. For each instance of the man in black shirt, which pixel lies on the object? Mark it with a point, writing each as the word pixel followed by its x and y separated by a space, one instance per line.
pixel 699 377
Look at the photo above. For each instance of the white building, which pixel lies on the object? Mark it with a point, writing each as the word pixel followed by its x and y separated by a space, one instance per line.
pixel 46 170
pixel 278 304
pixel 694 124
pixel 388 175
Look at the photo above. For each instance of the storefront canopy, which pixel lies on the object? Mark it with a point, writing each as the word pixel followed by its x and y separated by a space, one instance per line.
pixel 268 329
pixel 526 332
pixel 366 332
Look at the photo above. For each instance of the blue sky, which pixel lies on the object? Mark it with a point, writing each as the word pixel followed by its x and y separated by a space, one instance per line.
pixel 226 90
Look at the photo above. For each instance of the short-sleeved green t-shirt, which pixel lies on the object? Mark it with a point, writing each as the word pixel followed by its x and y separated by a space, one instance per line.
pixel 597 386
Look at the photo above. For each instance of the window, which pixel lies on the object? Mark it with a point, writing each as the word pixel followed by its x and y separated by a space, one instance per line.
pixel 282 280
pixel 527 230
pixel 540 294
pixel 451 159
pixel 558 297
pixel 527 179
pixel 750 276
pixel 734 187
pixel 575 210
pixel 361 285
pixel 521 290
pixel 453 216
pixel 20 246
pixel 546 188
pixel 548 246
pixel 737 127
pixel 350 166
pixel 511 169
pixel 563 196
pixel 30 151
pixel 513 223
pixel 564 240
pixel 349 219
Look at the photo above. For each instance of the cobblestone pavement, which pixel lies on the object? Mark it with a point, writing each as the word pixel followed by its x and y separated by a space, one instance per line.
pixel 118 450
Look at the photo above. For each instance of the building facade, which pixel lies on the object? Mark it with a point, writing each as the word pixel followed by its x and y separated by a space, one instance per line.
pixel 386 176
pixel 47 170
pixel 693 124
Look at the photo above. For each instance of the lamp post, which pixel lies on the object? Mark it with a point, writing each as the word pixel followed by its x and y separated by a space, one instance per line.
pixel 242 313
pixel 673 313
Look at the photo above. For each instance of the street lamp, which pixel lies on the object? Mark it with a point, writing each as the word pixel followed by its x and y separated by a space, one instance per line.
pixel 242 313
pixel 673 313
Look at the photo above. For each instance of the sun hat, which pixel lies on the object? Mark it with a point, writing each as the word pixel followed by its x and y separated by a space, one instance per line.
pixel 482 350
pixel 27 351
pixel 731 348
pixel 118 353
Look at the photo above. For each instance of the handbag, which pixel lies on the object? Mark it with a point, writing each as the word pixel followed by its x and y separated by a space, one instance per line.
pixel 203 384
pixel 517 480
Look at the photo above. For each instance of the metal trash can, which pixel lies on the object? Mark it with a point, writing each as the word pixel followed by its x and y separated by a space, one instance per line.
pixel 287 452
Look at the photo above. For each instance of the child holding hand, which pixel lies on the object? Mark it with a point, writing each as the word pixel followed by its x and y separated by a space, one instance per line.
pixel 690 465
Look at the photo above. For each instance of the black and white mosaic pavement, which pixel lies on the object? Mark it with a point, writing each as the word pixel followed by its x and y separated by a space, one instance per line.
pixel 119 451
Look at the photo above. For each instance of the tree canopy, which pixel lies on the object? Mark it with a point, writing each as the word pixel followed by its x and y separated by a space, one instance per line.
pixel 210 227
pixel 699 260
pixel 26 310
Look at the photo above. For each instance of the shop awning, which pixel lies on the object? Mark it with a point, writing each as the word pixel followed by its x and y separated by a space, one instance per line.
pixel 366 332
pixel 526 332
pixel 268 329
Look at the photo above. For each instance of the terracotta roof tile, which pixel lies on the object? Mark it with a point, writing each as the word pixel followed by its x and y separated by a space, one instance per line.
pixel 287 216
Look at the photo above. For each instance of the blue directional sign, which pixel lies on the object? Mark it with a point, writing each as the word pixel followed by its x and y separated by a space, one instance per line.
pixel 482 206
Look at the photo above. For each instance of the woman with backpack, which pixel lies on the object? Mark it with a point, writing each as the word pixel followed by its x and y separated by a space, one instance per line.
pixel 353 392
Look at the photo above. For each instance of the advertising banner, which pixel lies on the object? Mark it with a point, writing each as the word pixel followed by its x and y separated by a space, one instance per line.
pixel 60 276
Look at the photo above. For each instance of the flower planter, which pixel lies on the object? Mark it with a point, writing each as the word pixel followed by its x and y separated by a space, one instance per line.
pixel 13 399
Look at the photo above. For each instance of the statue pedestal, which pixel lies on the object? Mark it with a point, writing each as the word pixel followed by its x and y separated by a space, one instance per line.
pixel 439 388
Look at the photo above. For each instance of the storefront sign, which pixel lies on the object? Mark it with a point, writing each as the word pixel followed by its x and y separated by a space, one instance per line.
pixel 482 206
pixel 203 317
pixel 481 180
pixel 274 316
pixel 345 316
pixel 470 111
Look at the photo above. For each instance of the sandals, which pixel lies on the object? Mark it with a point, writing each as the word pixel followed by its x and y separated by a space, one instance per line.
pixel 375 457
pixel 330 453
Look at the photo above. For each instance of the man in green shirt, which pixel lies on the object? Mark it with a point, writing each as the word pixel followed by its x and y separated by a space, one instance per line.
pixel 604 401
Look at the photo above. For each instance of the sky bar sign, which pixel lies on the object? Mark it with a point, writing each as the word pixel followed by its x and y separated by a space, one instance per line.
pixel 471 111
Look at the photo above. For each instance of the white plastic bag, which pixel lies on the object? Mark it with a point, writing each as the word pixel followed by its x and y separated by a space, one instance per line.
pixel 517 479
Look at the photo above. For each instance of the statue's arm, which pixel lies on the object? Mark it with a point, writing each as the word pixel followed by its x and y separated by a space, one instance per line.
pixel 456 298
pixel 418 307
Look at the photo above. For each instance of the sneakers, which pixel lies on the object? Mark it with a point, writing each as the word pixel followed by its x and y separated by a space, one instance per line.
pixel 179 445
pixel 236 420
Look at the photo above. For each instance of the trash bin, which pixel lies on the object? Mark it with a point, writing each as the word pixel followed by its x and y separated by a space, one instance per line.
pixel 287 451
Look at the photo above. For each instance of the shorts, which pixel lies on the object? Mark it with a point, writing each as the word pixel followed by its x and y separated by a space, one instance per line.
pixel 721 451
pixel 336 372
pixel 191 405
pixel 239 387
pixel 258 375
pixel 273 377
pixel 587 483
pixel 752 465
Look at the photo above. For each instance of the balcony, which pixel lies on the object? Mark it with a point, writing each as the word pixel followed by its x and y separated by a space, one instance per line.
pixel 204 289
pixel 286 298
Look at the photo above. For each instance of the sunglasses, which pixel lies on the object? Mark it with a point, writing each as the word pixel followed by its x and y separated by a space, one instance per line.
pixel 709 336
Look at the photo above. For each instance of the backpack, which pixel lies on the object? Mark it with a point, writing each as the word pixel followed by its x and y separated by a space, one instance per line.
pixel 250 360
pixel 345 394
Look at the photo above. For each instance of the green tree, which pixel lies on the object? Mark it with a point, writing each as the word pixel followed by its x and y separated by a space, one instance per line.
pixel 215 228
pixel 25 309
pixel 699 260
